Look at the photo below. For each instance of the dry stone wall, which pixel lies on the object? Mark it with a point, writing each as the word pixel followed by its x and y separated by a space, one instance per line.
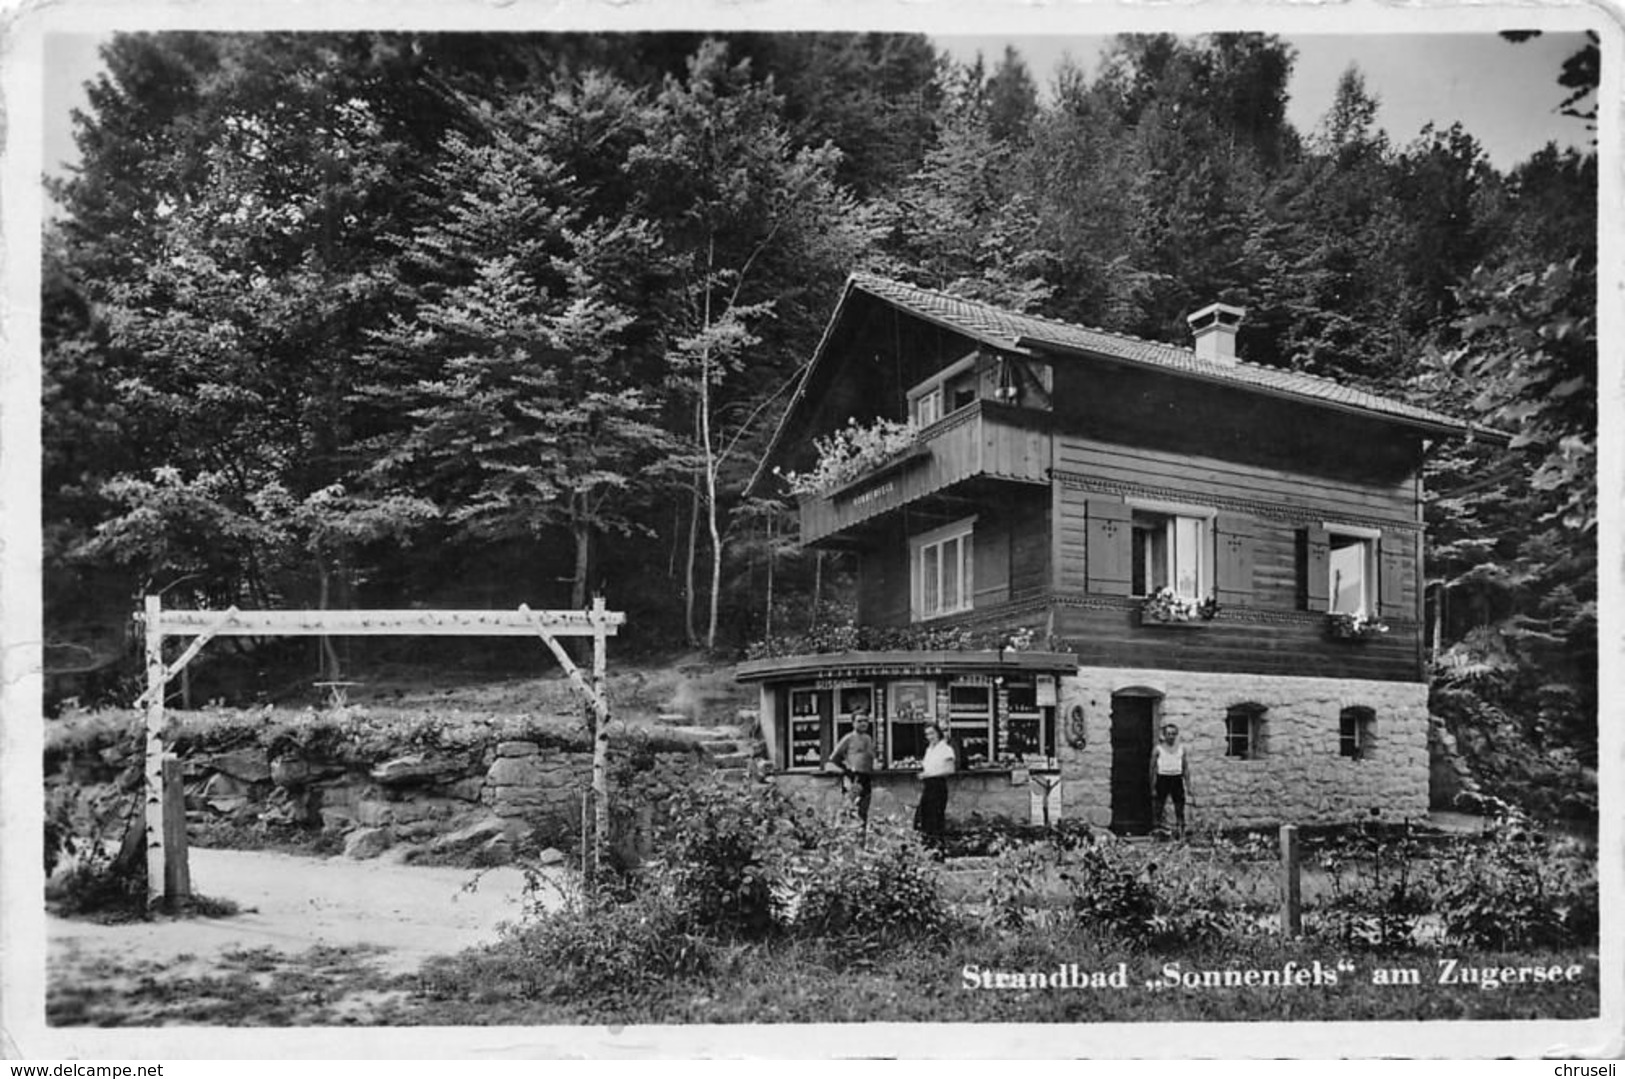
pixel 486 800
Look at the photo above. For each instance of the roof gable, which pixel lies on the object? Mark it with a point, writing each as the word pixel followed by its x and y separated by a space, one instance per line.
pixel 1012 331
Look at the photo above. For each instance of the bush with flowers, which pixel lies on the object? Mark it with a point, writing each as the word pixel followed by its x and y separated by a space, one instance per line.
pixel 849 452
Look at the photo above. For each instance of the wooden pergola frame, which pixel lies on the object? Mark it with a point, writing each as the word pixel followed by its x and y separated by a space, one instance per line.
pixel 167 874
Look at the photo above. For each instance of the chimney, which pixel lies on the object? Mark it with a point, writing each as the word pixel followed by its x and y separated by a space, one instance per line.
pixel 1215 330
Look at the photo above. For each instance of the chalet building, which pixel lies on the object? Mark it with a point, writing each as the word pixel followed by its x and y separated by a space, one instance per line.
pixel 1135 533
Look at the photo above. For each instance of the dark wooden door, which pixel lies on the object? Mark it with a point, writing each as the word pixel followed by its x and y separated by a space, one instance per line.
pixel 1133 721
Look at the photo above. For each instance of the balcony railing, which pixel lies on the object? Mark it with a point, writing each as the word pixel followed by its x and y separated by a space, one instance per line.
pixel 983 439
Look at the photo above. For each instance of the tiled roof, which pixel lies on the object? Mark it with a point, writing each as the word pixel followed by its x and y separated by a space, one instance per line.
pixel 1008 329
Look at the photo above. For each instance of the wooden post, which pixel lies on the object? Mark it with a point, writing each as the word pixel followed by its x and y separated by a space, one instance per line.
pixel 177 871
pixel 154 761
pixel 600 741
pixel 1291 894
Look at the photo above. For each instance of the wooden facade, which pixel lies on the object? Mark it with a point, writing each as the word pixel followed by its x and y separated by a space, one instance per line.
pixel 1057 446
pixel 1176 534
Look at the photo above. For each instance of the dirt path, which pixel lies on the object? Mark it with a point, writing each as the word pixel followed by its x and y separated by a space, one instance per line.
pixel 292 903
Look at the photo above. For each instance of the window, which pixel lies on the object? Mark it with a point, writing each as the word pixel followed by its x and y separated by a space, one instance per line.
pixel 1170 550
pixel 913 706
pixel 926 409
pixel 949 390
pixel 849 700
pixel 1356 729
pixel 1352 563
pixel 970 722
pixel 805 745
pixel 940 567
pixel 1028 734
pixel 1244 731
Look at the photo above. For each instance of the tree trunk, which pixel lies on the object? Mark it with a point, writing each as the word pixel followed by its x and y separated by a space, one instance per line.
pixel 330 655
pixel 767 619
pixel 693 555
pixel 582 531
pixel 710 457
pixel 818 587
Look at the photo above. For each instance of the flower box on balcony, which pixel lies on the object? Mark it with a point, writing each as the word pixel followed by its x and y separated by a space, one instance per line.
pixel 1354 627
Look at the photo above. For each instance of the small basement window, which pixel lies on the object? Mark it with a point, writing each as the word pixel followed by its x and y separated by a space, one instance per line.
pixel 1244 731
pixel 1356 733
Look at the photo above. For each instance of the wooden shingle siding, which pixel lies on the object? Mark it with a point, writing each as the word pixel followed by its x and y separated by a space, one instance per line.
pixel 990 552
pixel 1029 544
pixel 1069 518
pixel 1115 638
pixel 1231 485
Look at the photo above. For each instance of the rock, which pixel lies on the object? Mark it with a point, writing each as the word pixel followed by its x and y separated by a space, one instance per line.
pixel 494 851
pixel 464 790
pixel 335 817
pixel 249 765
pixel 514 772
pixel 517 749
pixel 290 771
pixel 475 835
pixel 366 843
pixel 221 785
pixel 550 856
pixel 373 813
pixel 417 768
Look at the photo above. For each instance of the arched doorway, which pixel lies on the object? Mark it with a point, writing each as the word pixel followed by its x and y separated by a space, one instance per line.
pixel 1134 725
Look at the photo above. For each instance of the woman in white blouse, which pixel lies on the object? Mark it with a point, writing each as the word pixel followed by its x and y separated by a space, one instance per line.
pixel 937 766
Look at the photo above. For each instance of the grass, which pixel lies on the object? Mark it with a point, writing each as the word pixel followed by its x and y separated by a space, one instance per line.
pixel 807 982
pixel 324 986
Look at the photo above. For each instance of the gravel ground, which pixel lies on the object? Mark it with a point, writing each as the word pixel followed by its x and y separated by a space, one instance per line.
pixel 292 903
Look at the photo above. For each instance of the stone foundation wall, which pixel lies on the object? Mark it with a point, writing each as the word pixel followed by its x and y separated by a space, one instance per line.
pixel 1299 778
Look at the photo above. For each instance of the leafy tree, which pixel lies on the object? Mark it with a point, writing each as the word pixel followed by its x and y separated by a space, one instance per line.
pixel 223 228
pixel 749 224
pixel 957 224
pixel 529 411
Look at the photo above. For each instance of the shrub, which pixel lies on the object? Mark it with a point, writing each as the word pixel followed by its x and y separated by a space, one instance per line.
pixel 1519 889
pixel 723 850
pixel 1016 886
pixel 83 832
pixel 1378 895
pixel 867 894
pixel 583 951
pixel 1109 891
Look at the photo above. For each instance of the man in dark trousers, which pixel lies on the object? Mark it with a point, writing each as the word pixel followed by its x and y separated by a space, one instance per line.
pixel 1170 776
pixel 854 755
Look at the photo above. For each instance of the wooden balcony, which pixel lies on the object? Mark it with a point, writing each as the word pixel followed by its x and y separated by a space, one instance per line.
pixel 983 440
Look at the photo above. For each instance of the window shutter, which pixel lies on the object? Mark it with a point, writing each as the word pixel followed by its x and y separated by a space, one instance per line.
pixel 1391 577
pixel 1316 569
pixel 1109 547
pixel 1233 562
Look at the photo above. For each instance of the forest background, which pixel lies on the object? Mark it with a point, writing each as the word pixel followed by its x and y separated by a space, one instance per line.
pixel 469 320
